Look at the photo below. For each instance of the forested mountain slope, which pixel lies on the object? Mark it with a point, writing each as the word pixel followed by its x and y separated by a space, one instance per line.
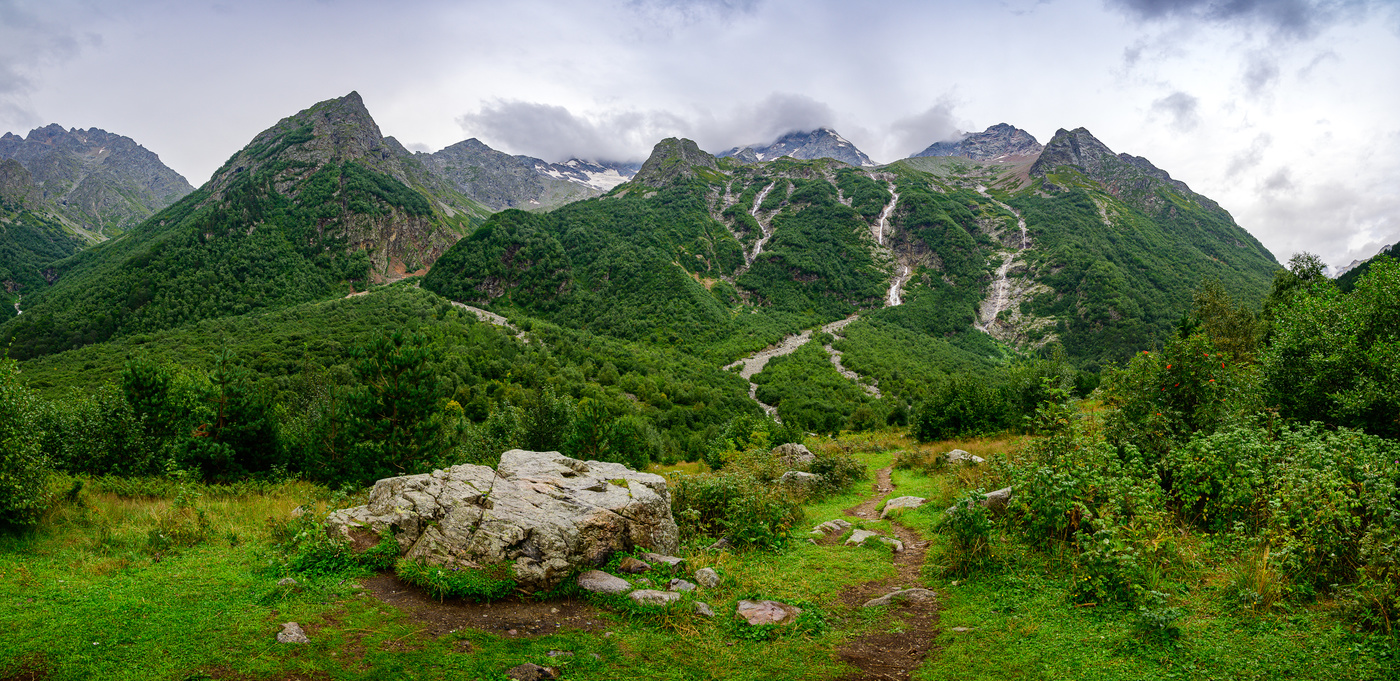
pixel 1075 245
pixel 313 206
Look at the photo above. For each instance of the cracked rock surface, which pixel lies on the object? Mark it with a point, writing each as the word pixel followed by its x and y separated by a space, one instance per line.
pixel 540 513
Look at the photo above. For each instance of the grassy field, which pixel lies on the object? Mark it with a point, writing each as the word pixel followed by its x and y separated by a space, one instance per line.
pixel 179 586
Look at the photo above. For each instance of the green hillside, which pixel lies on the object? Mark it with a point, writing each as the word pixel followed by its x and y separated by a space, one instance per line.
pixel 313 207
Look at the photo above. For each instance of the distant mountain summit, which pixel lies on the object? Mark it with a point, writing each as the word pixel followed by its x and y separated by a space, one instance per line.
pixel 499 180
pixel 804 146
pixel 1132 179
pixel 100 183
pixel 997 142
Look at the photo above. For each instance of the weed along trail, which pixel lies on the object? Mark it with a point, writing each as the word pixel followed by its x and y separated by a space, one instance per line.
pixel 901 644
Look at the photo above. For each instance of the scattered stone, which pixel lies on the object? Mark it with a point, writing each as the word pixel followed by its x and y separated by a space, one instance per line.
pixel 653 597
pixel 286 581
pixel 891 541
pixel 541 514
pixel 859 536
pixel 837 525
pixel 644 582
pixel 531 672
pixel 757 613
pixel 298 511
pixel 800 479
pixel 960 630
pixel 993 501
pixel 707 577
pixel 960 456
pixel 632 566
pixel 793 454
pixel 703 609
pixel 996 501
pixel 559 653
pixel 902 596
pixel 901 503
pixel 599 582
pixel 680 585
pixel 669 561
pixel 292 633
pixel 723 543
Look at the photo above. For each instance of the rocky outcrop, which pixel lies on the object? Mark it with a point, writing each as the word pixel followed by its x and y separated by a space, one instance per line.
pixel 673 159
pixel 793 454
pixel 901 504
pixel 542 514
pixel 1132 179
pixel 997 142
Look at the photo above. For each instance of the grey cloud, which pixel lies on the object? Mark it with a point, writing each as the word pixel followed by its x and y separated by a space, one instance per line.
pixel 29 42
pixel 1280 180
pixel 1260 74
pixel 915 133
pixel 555 133
pixel 1249 158
pixel 1284 18
pixel 1181 108
pixel 1338 221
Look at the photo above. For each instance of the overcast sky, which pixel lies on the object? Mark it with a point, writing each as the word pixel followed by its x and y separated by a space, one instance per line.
pixel 1284 111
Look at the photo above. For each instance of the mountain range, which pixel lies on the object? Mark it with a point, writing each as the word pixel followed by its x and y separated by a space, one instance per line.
pixel 980 247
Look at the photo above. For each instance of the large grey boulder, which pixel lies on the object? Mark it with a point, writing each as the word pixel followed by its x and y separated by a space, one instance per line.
pixel 960 456
pixel 800 479
pixel 993 501
pixel 599 582
pixel 654 597
pixel 540 513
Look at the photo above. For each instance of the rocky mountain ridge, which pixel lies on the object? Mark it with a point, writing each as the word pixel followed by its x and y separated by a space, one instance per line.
pixel 997 142
pixel 499 180
pixel 98 183
pixel 804 146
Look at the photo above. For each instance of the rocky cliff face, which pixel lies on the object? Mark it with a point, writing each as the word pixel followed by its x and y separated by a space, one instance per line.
pixel 997 142
pixel 17 188
pixel 99 182
pixel 806 146
pixel 499 180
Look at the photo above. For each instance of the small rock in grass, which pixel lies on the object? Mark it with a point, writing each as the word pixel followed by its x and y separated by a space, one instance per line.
pixel 901 503
pixel 559 653
pixel 632 566
pixel 599 582
pixel 680 585
pixel 766 612
pixel 286 581
pixel 800 479
pixel 902 596
pixel 859 536
pixel 669 561
pixel 894 543
pixel 723 543
pixel 531 672
pixel 292 633
pixel 653 597
pixel 960 630
pixel 707 577
pixel 703 609
pixel 793 454
pixel 960 456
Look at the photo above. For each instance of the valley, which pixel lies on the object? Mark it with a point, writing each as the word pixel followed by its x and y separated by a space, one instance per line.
pixel 1107 411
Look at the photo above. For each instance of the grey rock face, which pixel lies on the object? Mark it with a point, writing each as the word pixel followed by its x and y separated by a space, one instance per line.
pixel 902 596
pixel 291 633
pixel 653 597
pixel 859 536
pixel 707 577
pixel 599 582
pixel 757 613
pixel 800 479
pixel 541 513
pixel 793 454
pixel 499 180
pixel 1000 140
pixel 901 503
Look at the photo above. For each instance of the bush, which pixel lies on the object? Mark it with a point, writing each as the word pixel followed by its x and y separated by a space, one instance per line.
pixel 968 527
pixel 24 469
pixel 838 470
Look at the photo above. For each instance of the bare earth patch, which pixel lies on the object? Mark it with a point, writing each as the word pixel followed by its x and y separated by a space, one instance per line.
pixel 509 617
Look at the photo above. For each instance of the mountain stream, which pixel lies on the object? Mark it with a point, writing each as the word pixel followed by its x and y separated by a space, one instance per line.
pixel 999 293
pixel 753 364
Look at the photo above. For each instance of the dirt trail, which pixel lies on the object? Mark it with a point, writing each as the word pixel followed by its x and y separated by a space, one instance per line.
pixel 888 655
